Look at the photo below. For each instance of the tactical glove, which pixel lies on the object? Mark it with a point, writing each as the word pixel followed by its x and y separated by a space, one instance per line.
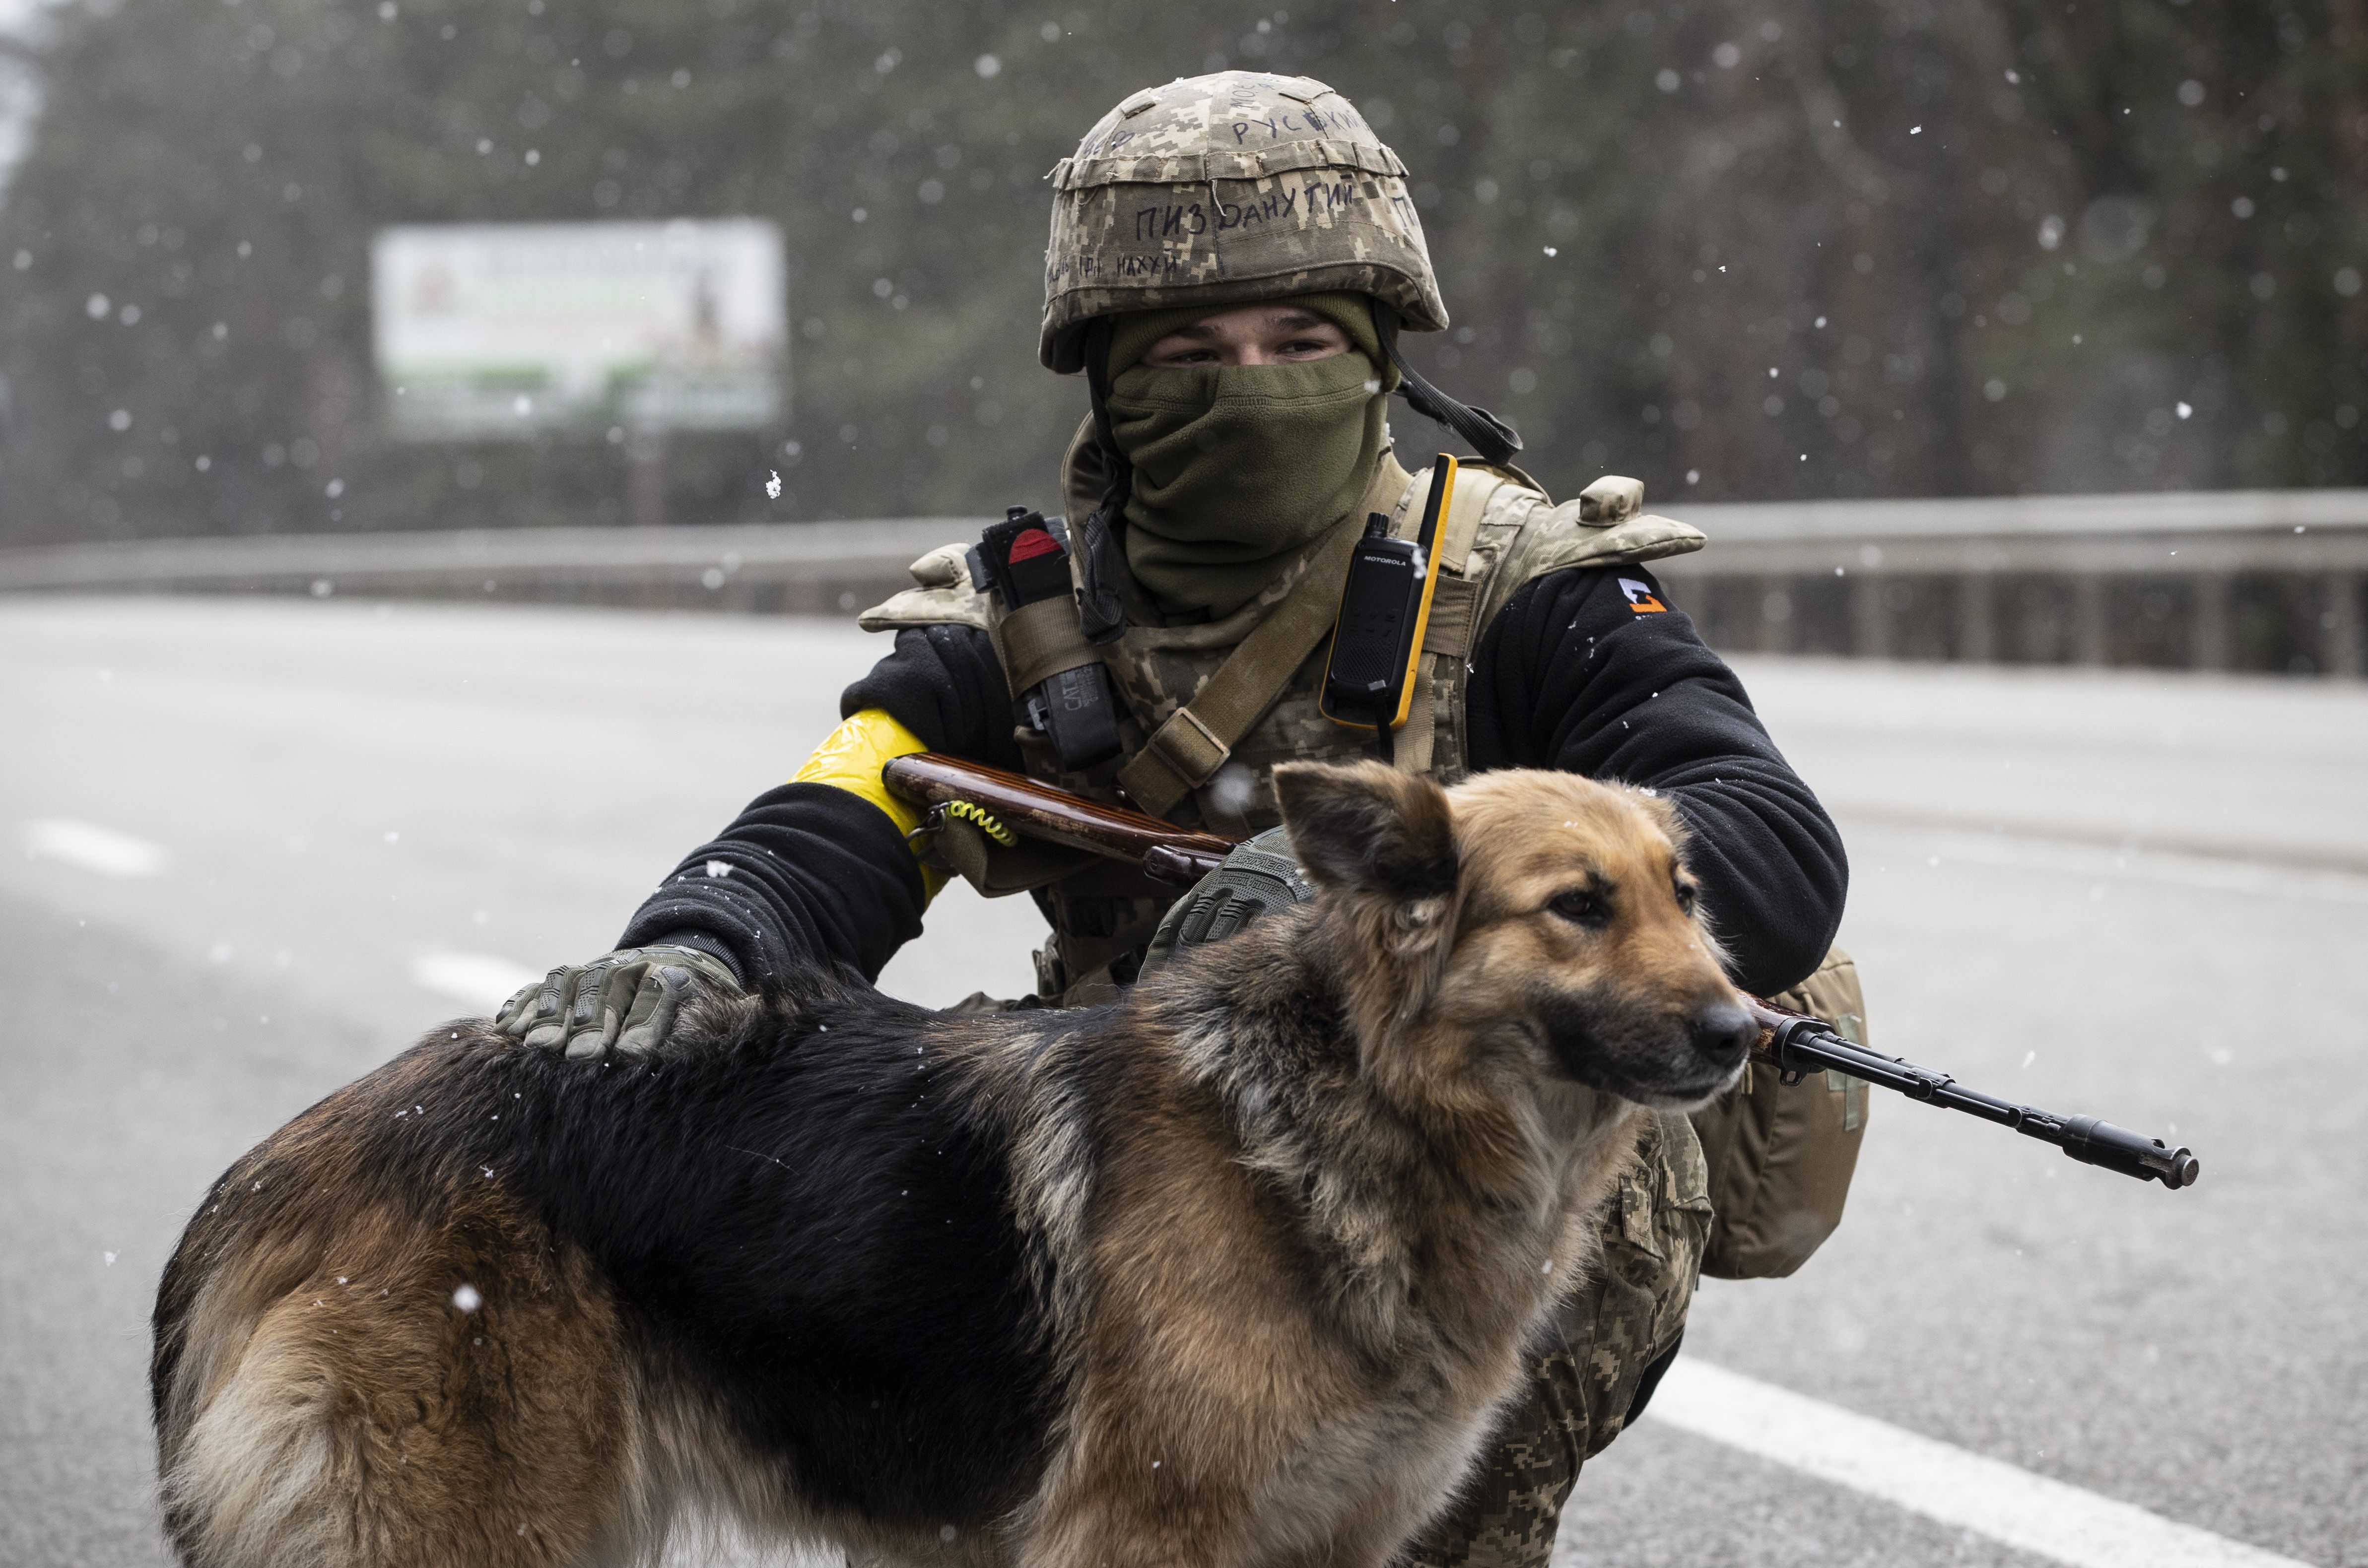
pixel 1260 875
pixel 627 1000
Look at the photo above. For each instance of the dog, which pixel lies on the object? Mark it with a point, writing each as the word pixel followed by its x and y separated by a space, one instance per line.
pixel 1235 1270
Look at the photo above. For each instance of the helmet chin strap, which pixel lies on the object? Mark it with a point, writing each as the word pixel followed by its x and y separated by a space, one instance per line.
pixel 1487 435
pixel 1102 615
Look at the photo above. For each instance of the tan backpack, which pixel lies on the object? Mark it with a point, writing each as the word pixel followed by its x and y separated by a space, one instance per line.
pixel 1780 1155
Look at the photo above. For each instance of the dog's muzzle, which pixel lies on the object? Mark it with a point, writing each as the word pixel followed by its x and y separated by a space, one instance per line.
pixel 1719 1038
pixel 1671 1062
pixel 1722 1034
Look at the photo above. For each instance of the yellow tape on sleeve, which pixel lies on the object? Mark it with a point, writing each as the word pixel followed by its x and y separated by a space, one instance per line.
pixel 851 759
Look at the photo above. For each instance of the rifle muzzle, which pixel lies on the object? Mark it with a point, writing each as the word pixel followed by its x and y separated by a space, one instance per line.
pixel 2095 1142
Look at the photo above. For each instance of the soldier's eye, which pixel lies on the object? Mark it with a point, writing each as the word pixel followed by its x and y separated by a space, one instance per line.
pixel 1582 907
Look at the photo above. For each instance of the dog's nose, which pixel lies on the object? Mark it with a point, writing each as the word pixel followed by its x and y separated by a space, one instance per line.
pixel 1724 1032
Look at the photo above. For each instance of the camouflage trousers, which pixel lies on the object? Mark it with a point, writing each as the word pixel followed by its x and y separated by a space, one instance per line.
pixel 1581 1383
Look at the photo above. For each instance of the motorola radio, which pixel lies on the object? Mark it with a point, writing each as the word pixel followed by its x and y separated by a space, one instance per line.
pixel 1384 608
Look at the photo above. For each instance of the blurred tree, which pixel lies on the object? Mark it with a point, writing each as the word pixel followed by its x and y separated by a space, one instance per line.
pixel 1739 249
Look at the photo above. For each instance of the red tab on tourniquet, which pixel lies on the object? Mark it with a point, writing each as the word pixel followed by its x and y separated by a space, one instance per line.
pixel 1032 543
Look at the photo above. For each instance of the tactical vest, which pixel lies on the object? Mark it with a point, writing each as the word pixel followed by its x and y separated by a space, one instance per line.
pixel 1500 533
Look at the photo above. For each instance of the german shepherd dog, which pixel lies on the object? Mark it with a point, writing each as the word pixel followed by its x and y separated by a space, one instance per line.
pixel 1233 1271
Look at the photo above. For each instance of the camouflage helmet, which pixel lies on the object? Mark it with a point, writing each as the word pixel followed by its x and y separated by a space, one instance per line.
pixel 1224 190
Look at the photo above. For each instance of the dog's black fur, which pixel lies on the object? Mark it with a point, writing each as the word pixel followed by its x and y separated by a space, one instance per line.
pixel 793 1212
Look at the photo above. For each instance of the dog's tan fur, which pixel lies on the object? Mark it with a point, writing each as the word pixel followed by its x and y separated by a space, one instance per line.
pixel 309 1370
pixel 1288 1267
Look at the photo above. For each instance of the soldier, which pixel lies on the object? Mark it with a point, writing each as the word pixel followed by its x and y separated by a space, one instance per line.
pixel 1232 257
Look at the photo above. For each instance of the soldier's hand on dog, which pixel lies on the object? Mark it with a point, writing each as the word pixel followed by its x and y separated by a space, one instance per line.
pixel 624 1001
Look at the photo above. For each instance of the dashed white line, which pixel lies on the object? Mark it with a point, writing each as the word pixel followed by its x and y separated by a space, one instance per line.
pixel 475 979
pixel 93 847
pixel 2030 1513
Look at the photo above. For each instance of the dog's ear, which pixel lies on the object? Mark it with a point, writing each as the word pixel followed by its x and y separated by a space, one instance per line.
pixel 1369 829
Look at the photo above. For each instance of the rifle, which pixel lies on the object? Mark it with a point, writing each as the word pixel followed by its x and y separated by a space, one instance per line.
pixel 1793 1043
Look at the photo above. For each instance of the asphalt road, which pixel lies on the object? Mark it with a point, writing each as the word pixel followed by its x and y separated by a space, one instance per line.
pixel 255 847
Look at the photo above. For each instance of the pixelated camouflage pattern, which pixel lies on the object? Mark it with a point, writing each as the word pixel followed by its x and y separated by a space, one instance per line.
pixel 1580 1385
pixel 941 595
pixel 1226 189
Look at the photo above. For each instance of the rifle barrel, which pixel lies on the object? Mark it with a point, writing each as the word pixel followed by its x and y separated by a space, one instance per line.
pixel 1797 1045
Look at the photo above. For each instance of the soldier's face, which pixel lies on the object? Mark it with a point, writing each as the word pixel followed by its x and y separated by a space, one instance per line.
pixel 1250 335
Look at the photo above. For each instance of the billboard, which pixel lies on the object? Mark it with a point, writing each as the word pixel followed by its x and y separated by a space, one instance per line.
pixel 496 331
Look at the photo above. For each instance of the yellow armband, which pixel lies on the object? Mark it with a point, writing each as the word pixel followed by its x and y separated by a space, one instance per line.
pixel 851 759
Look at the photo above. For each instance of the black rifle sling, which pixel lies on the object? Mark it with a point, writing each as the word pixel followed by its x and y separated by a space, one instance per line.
pixel 1489 436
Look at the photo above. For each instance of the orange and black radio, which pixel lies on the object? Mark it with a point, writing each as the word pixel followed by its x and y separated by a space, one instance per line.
pixel 1384 608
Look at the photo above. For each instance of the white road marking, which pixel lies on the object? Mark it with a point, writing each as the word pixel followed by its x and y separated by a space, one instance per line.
pixel 93 847
pixel 475 979
pixel 2030 1513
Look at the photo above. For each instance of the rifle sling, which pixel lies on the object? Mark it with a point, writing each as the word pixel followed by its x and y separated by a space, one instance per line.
pixel 1186 752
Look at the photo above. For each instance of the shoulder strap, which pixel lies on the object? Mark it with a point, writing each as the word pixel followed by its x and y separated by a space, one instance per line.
pixel 1455 600
pixel 1186 752
pixel 1480 489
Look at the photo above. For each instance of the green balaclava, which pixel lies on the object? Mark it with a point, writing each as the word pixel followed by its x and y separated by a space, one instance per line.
pixel 1239 467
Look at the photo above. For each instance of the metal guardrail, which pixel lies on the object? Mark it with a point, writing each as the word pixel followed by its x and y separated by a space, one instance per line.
pixel 2257 579
pixel 777 568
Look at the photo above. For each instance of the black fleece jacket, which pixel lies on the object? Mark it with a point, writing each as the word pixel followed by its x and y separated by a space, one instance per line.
pixel 1583 670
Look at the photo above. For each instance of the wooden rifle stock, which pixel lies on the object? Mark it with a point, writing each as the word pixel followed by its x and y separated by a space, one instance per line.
pixel 1174 855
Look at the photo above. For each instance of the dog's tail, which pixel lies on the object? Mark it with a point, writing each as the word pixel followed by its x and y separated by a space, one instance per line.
pixel 368 1352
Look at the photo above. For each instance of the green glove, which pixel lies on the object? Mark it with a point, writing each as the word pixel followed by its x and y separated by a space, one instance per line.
pixel 626 1001
pixel 1261 874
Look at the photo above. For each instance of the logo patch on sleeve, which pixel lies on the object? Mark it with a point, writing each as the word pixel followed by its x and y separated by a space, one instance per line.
pixel 1640 598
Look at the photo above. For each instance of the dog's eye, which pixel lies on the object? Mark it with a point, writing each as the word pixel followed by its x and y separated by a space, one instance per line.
pixel 1580 907
pixel 1686 897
